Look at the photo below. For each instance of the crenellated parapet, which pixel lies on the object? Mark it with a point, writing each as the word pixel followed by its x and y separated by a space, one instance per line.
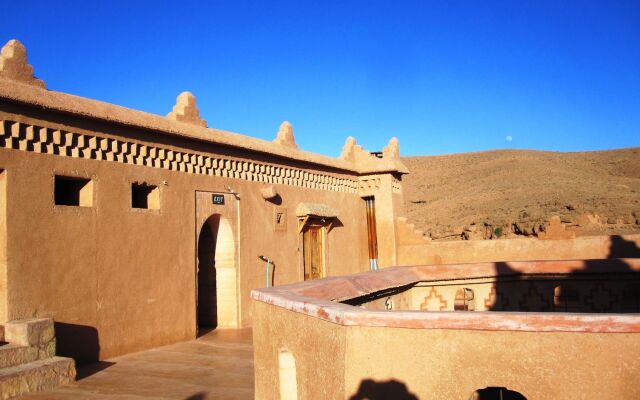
pixel 17 83
pixel 186 110
pixel 14 66
pixel 387 161
pixel 285 136
pixel 392 150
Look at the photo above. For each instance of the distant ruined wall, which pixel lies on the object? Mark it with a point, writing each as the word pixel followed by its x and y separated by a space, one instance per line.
pixel 413 252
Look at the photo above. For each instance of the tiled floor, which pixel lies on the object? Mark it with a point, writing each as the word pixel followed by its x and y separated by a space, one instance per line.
pixel 218 365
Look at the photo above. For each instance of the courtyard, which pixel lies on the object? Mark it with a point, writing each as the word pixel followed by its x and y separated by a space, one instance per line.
pixel 217 365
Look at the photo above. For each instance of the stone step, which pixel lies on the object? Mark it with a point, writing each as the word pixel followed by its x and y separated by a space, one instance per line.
pixel 12 355
pixel 36 376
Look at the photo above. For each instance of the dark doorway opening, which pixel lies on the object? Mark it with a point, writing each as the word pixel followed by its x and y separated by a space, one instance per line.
pixel 207 307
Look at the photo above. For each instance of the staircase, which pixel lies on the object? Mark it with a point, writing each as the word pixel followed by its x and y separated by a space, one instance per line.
pixel 27 358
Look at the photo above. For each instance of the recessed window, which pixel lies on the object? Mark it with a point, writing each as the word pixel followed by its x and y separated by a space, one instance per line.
pixel 73 191
pixel 464 300
pixel 288 380
pixel 566 297
pixel 145 196
pixel 496 393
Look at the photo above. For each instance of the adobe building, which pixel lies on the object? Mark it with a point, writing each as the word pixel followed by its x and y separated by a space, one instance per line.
pixel 134 230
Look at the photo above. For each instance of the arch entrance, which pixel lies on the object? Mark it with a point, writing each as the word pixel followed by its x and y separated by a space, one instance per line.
pixel 216 272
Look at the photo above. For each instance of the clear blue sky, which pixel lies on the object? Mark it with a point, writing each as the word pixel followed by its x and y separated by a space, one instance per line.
pixel 444 77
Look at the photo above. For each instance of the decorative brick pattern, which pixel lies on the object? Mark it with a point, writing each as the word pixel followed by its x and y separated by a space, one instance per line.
pixel 396 185
pixel 369 184
pixel 602 299
pixel 18 136
pixel 434 301
pixel 533 300
pixel 496 301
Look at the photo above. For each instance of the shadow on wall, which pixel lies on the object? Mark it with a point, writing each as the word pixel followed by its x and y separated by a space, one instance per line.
pixel 621 248
pixel 610 286
pixel 198 396
pixel 276 200
pixel 496 393
pixel 272 273
pixel 384 390
pixel 79 342
pixel 337 223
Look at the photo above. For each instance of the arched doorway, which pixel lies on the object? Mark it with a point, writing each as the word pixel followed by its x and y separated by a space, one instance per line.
pixel 207 305
pixel 216 300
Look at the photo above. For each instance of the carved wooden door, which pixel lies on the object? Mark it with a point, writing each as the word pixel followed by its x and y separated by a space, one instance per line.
pixel 313 248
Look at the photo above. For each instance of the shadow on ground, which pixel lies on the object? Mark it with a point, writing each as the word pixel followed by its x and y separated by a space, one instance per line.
pixel 382 390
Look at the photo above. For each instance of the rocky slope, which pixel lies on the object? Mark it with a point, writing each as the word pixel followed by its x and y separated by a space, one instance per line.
pixel 507 193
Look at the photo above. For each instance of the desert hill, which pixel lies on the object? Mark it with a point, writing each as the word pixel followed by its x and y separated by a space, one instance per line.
pixel 506 193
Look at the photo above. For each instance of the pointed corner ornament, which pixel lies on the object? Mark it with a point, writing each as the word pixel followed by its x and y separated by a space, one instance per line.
pixel 393 149
pixel 285 136
pixel 14 66
pixel 186 110
pixel 348 148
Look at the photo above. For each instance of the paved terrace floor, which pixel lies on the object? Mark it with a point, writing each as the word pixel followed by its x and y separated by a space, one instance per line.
pixel 218 365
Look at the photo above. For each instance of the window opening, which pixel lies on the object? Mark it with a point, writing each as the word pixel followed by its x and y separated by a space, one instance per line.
pixel 287 374
pixel 145 196
pixel 464 300
pixel 565 298
pixel 73 191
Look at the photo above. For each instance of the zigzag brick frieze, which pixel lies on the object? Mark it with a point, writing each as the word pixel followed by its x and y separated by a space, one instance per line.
pixel 24 137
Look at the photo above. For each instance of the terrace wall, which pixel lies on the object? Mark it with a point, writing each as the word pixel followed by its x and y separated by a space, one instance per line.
pixel 418 252
pixel 343 351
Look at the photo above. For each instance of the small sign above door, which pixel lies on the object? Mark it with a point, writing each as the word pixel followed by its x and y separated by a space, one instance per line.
pixel 217 199
pixel 280 219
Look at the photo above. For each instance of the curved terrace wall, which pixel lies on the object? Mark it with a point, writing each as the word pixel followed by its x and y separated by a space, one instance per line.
pixel 346 351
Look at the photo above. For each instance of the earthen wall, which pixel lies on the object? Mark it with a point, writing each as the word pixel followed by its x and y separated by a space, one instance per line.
pixel 118 279
pixel 417 252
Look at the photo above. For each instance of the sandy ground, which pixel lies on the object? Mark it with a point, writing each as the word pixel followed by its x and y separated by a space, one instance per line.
pixel 506 193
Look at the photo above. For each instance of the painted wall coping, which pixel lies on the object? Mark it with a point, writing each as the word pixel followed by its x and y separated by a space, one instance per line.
pixel 320 298
pixel 93 109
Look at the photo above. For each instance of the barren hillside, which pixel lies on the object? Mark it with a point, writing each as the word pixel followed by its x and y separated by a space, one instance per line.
pixel 505 193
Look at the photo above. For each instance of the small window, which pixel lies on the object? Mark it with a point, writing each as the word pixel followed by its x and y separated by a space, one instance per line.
pixel 496 393
pixel 464 300
pixel 566 298
pixel 73 191
pixel 145 196
pixel 287 373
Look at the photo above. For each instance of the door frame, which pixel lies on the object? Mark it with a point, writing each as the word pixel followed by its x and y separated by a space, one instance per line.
pixel 227 276
pixel 324 224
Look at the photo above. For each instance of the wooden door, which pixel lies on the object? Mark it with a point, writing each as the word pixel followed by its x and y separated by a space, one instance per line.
pixel 372 232
pixel 313 248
